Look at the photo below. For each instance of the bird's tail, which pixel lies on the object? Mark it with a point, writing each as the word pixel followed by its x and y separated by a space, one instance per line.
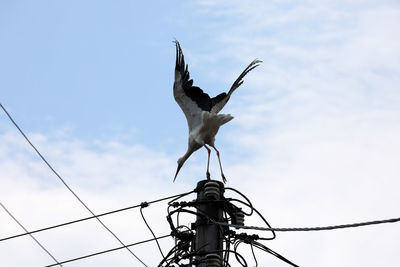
pixel 215 120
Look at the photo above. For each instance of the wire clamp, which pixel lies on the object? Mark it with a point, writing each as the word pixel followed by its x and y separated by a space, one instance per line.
pixel 144 204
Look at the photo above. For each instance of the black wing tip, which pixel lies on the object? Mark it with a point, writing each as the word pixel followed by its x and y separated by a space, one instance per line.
pixel 176 42
pixel 256 62
pixel 180 65
pixel 178 48
pixel 180 60
pixel 239 81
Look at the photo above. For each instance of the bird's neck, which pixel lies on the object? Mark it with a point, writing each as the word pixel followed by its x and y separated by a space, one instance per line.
pixel 186 155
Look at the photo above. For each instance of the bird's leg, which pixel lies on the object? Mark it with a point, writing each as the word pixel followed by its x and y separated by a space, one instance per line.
pixel 208 162
pixel 220 166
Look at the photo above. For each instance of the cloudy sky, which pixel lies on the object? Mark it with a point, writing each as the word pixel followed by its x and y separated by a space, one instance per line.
pixel 315 139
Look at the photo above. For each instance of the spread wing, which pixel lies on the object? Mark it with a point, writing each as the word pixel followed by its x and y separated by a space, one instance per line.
pixel 192 100
pixel 222 99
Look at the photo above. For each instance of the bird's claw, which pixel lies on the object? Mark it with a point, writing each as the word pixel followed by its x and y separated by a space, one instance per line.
pixel 208 175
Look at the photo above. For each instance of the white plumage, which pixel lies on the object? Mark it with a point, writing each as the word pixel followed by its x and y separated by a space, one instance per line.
pixel 201 111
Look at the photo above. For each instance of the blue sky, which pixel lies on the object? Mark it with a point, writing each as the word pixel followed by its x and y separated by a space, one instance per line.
pixel 89 65
pixel 316 125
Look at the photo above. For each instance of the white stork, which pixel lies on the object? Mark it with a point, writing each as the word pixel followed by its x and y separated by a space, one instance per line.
pixel 200 110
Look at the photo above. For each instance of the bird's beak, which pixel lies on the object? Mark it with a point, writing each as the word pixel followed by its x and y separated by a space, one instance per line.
pixel 177 170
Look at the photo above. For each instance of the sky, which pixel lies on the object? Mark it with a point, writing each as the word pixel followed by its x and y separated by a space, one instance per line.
pixel 314 140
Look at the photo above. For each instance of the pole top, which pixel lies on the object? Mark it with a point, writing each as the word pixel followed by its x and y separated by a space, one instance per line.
pixel 210 189
pixel 201 184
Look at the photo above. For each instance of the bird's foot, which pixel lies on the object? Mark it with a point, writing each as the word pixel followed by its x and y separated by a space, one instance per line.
pixel 223 178
pixel 208 175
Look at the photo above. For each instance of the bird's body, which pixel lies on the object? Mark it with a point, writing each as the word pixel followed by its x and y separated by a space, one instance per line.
pixel 200 110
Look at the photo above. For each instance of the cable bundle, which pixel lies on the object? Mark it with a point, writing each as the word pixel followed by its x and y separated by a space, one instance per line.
pixel 185 253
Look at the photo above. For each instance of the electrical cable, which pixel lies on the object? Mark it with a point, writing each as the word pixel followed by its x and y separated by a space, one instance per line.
pixel 181 249
pixel 178 251
pixel 180 196
pixel 239 260
pixel 238 239
pixel 249 204
pixel 172 251
pixel 254 255
pixel 87 218
pixel 266 249
pixel 261 216
pixel 142 206
pixel 108 250
pixel 37 242
pixel 227 242
pixel 244 238
pixel 305 229
pixel 67 186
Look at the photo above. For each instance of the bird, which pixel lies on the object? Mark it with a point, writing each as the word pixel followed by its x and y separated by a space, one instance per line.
pixel 202 111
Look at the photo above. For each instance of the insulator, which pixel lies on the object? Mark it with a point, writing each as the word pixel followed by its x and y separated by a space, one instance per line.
pixel 213 260
pixel 211 190
pixel 239 218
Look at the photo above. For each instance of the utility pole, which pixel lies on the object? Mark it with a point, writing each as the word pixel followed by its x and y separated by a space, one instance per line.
pixel 207 243
pixel 209 236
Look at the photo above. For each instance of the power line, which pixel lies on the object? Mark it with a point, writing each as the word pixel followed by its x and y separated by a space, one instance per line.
pixel 88 218
pixel 142 206
pixel 37 242
pixel 305 229
pixel 234 217
pixel 272 252
pixel 66 185
pixel 248 203
pixel 110 250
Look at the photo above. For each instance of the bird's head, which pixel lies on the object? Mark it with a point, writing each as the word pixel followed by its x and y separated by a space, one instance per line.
pixel 193 146
pixel 181 161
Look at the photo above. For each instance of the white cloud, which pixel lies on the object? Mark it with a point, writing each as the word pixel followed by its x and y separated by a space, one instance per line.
pixel 106 177
pixel 319 123
pixel 314 142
